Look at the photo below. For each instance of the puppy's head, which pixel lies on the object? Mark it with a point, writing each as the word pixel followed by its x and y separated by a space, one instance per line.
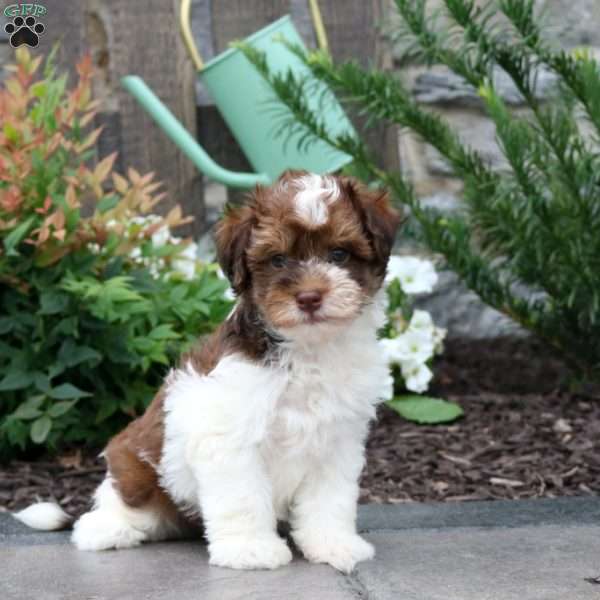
pixel 309 251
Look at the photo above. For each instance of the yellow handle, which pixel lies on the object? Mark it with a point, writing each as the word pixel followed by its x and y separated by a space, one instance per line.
pixel 186 32
pixel 315 11
pixel 188 37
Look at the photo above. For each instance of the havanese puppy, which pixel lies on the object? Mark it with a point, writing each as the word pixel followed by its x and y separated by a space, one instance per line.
pixel 267 420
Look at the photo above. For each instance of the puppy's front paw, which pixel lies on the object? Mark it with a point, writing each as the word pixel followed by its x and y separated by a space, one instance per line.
pixel 268 552
pixel 341 550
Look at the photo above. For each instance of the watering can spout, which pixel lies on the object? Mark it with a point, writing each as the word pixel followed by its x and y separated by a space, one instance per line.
pixel 186 142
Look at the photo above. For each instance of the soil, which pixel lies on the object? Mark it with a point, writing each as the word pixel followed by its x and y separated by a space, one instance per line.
pixel 523 435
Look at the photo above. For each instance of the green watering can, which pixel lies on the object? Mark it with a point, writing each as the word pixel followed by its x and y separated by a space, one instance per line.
pixel 246 103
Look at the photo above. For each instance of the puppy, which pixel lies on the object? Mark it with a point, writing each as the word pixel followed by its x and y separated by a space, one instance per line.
pixel 267 420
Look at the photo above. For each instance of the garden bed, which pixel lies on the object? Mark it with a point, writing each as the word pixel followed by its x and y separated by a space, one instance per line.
pixel 521 437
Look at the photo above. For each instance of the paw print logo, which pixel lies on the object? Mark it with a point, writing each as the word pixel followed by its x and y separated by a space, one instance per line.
pixel 24 31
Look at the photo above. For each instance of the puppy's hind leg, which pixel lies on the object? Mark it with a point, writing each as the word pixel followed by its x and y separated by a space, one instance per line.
pixel 114 524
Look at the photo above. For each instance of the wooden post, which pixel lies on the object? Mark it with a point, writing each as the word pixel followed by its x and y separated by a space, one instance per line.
pixel 138 37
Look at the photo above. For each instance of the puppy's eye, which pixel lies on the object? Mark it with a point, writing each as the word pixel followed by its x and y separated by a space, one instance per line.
pixel 339 256
pixel 278 261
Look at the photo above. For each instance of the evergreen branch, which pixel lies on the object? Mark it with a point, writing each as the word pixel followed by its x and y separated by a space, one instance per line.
pixel 476 69
pixel 579 71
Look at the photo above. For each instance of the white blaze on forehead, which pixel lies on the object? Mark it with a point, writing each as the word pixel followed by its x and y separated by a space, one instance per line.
pixel 315 193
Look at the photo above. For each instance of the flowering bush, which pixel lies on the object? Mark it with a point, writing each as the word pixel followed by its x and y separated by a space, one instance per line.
pixel 92 308
pixel 410 340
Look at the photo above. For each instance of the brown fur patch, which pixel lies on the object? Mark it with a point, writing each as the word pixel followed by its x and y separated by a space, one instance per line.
pixel 134 454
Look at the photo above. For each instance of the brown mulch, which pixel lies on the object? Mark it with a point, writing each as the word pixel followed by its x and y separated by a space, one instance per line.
pixel 522 436
pixel 69 479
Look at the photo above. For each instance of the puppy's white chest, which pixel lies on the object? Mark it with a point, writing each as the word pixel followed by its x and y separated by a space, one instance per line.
pixel 316 396
pixel 300 433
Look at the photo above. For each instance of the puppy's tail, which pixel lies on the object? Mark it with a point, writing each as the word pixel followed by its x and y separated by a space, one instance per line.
pixel 46 516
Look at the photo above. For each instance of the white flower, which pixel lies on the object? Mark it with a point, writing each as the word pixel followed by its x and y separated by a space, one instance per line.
pixel 415 346
pixel 411 346
pixel 145 220
pixel 421 321
pixel 155 268
pixel 415 275
pixel 389 348
pixel 161 237
pixel 136 254
pixel 185 261
pixel 416 376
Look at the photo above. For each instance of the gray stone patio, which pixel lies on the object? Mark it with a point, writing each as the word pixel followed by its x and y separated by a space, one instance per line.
pixel 525 550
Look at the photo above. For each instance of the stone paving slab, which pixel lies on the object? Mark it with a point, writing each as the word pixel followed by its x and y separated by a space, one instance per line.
pixel 520 563
pixel 514 550
pixel 167 571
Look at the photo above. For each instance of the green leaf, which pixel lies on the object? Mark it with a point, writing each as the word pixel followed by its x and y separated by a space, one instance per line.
pixel 163 332
pixel 66 391
pixel 55 369
pixel 42 382
pixel 60 408
pixel 39 89
pixel 425 410
pixel 108 407
pixel 212 287
pixel 16 235
pixel 40 429
pixel 53 302
pixel 17 380
pixel 178 293
pixel 30 409
pixel 70 354
pixel 6 324
pixel 67 326
pixel 107 203
pixel 11 133
pixel 144 345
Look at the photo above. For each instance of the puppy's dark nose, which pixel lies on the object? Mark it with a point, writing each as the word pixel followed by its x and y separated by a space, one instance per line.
pixel 309 301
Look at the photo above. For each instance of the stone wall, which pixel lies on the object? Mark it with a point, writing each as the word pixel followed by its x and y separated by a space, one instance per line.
pixel 569 23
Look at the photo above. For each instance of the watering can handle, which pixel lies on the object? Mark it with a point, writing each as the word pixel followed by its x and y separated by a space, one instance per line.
pixel 182 138
pixel 188 37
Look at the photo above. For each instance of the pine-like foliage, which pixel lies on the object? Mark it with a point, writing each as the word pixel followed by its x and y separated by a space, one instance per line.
pixel 528 242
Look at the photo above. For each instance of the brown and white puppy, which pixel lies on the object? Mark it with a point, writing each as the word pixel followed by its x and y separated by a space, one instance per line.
pixel 267 420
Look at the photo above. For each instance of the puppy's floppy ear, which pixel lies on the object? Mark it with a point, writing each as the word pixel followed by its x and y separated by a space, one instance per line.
pixel 380 220
pixel 232 239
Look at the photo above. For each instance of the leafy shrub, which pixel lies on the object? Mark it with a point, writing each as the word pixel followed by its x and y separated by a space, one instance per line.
pixel 528 241
pixel 92 308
